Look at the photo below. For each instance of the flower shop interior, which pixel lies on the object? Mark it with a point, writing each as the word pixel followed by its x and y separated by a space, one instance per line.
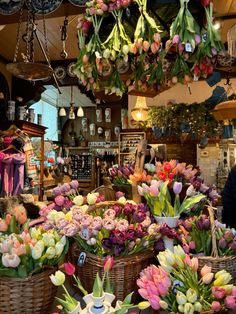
pixel 117 156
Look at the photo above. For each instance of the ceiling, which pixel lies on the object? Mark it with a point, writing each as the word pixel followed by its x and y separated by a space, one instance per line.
pixel 222 8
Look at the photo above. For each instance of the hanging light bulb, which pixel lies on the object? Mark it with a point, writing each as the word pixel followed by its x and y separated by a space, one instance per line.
pixel 62 112
pixel 80 112
pixel 140 111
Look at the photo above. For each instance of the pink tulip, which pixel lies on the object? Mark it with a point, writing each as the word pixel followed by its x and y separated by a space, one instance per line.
pixel 59 200
pixel 230 302
pixel 215 306
pixel 233 292
pixel 109 263
pixel 181 47
pixel 205 270
pixel 3 225
pixel 154 301
pixel 157 37
pixel 194 263
pixel 146 45
pixel 206 279
pixel 187 259
pixel 175 40
pixel 145 188
pixel 154 191
pixel 69 268
pixel 197 39
pixel 192 245
pixel 143 292
pixel 218 292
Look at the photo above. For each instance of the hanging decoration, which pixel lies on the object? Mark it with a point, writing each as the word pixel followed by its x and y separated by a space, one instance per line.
pixel 129 56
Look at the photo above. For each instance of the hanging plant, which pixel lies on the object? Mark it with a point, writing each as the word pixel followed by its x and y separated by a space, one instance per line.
pixel 210 46
pixel 185 30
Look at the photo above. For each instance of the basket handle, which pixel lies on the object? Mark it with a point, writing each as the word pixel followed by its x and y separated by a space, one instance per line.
pixel 103 204
pixel 214 252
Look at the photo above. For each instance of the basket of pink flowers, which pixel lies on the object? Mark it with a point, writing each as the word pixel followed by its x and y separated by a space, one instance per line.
pixel 123 230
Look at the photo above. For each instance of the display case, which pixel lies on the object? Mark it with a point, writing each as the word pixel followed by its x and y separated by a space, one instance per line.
pixel 83 167
pixel 127 146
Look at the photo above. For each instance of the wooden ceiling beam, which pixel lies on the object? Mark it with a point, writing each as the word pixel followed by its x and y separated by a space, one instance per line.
pixel 65 9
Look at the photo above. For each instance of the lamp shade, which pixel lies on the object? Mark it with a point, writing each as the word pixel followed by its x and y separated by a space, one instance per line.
pixel 140 111
pixel 225 110
pixel 62 112
pixel 80 112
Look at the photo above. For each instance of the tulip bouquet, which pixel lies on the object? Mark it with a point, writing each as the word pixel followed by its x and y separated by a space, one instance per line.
pixel 101 296
pixel 120 174
pixel 119 230
pixel 14 221
pixel 180 286
pixel 30 251
pixel 196 238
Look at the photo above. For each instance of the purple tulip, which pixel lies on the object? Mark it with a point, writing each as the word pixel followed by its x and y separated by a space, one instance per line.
pixel 213 51
pixel 139 216
pixel 74 184
pixel 159 246
pixel 130 234
pixel 233 245
pixel 117 237
pixel 176 39
pixel 68 204
pixel 129 209
pixel 177 187
pixel 65 188
pixel 126 171
pixel 222 243
pixel 117 209
pixel 119 249
pixel 206 224
pixel 106 243
pixel 56 191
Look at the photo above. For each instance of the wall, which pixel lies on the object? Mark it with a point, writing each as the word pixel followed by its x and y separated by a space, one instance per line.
pixel 7 74
pixel 179 93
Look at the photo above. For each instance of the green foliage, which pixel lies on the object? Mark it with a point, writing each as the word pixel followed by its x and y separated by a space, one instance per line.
pixel 198 116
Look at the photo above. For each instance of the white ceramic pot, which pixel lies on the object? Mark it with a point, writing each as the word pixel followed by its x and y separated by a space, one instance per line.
pixel 170 221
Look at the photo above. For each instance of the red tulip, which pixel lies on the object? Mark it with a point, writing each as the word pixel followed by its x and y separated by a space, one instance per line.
pixel 69 268
pixel 205 3
pixel 108 263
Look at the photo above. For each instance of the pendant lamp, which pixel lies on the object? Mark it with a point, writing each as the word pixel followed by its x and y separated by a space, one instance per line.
pixel 80 112
pixel 62 112
pixel 140 112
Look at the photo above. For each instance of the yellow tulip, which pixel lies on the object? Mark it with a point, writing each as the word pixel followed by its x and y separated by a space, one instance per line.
pixel 51 252
pixel 143 305
pixel 221 272
pixel 197 307
pixel 58 279
pixel 191 295
pixel 163 304
pixel 228 288
pixel 188 308
pixel 68 216
pixel 181 308
pixel 179 251
pixel 222 279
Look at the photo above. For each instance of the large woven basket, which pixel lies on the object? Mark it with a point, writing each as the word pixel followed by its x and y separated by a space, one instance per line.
pixel 32 295
pixel 123 276
pixel 125 272
pixel 215 261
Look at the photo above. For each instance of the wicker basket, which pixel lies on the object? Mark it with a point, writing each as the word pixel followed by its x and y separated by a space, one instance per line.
pixel 32 295
pixel 123 276
pixel 215 261
pixel 125 272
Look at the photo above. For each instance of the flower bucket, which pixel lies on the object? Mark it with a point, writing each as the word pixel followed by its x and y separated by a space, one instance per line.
pixel 32 295
pixel 172 223
pixel 123 275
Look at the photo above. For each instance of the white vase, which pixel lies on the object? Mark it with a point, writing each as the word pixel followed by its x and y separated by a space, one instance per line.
pixel 95 304
pixel 77 310
pixel 172 223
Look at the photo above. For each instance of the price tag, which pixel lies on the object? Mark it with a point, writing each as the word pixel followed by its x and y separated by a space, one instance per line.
pixel 188 47
pixel 195 78
pixel 81 259
pixel 204 37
